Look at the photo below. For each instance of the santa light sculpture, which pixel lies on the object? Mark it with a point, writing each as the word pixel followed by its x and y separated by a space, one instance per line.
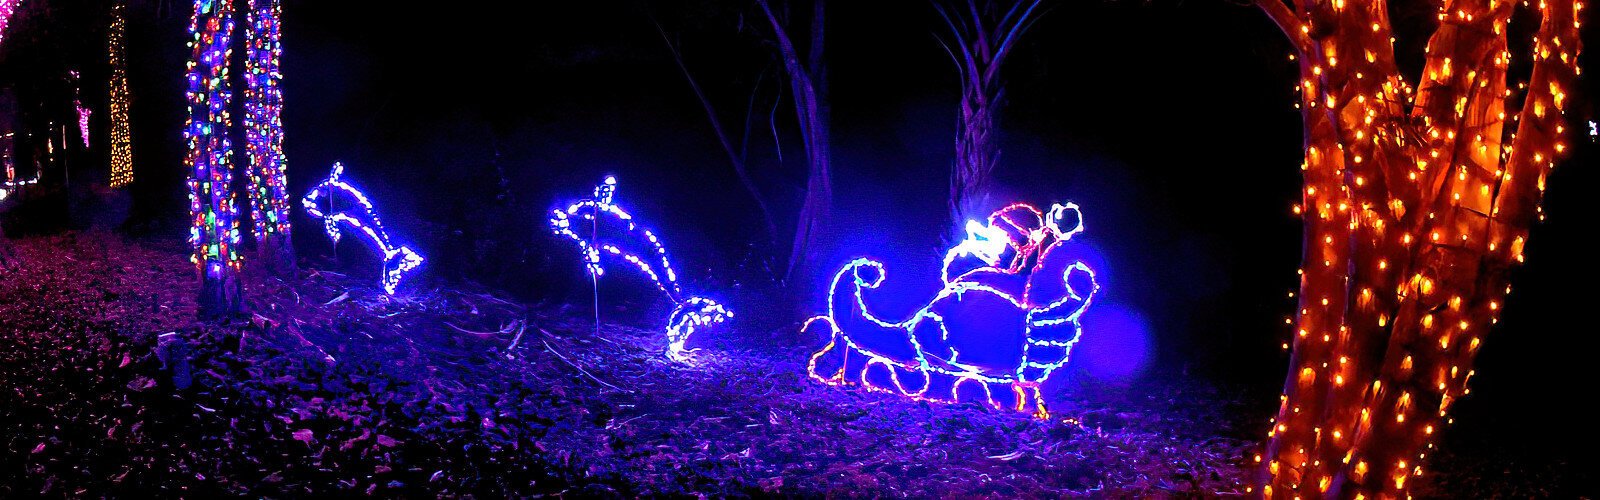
pixel 348 207
pixel 1006 316
pixel 604 231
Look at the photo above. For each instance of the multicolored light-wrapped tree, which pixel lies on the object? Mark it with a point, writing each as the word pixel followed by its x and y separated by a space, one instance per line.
pixel 121 134
pixel 8 8
pixel 263 110
pixel 1006 316
pixel 214 225
pixel 1417 202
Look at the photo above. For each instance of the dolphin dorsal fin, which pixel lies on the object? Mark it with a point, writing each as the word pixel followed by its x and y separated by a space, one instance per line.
pixel 606 191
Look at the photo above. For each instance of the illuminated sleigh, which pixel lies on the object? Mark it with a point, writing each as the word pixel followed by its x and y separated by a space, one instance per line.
pixel 626 240
pixel 1006 317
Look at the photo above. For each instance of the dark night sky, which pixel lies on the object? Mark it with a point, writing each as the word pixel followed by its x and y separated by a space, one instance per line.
pixel 1140 113
pixel 1170 122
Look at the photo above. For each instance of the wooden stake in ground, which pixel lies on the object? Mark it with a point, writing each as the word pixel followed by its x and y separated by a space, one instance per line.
pixel 1417 202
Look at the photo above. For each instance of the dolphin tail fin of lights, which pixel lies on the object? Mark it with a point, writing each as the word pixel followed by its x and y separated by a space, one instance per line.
pixel 689 315
pixel 396 263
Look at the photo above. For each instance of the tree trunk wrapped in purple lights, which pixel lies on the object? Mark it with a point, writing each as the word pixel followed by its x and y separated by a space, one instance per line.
pixel 1417 203
pixel 7 9
pixel 214 225
pixel 263 110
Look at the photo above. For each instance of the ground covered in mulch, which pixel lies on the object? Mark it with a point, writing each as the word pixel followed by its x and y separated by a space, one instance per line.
pixel 109 386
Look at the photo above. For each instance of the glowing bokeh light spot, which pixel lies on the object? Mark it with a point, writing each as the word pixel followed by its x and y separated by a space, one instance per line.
pixel 1120 348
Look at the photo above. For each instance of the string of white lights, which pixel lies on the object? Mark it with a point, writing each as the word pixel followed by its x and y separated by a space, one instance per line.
pixel 359 214
pixel 689 313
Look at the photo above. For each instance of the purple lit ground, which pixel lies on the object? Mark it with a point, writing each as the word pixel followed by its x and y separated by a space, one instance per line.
pixel 410 405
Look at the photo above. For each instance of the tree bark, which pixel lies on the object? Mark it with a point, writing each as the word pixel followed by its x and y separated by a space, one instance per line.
pixel 7 252
pixel 221 296
pixel 1417 204
pixel 981 37
pixel 276 254
pixel 808 82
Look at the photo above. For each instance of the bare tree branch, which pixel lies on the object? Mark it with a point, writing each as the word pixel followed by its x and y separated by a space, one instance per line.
pixel 1285 19
pixel 734 157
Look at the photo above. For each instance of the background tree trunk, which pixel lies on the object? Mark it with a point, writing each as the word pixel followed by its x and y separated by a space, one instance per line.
pixel 808 81
pixel 1417 204
pixel 7 253
pixel 981 35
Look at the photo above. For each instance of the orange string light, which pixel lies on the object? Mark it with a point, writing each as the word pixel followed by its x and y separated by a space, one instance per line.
pixel 1388 219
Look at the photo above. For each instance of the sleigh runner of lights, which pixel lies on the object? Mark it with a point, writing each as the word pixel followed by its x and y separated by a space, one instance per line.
pixel 1020 274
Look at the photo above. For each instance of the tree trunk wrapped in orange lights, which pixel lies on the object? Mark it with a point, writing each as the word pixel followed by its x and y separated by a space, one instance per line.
pixel 1417 203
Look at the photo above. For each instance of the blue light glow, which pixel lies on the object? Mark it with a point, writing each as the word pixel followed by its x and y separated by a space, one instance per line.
pixel 1120 348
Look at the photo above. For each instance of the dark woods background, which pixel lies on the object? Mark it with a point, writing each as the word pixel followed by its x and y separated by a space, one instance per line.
pixel 1171 123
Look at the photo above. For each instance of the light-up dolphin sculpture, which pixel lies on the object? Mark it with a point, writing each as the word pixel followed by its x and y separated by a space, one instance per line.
pixel 604 230
pixel 1007 314
pixel 337 203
